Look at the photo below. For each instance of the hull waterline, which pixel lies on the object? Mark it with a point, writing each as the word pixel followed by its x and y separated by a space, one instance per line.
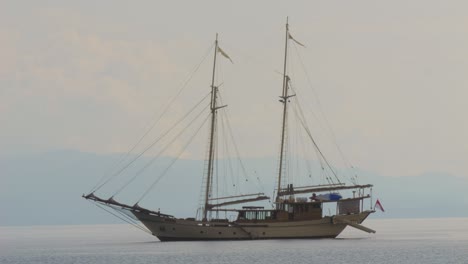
pixel 169 229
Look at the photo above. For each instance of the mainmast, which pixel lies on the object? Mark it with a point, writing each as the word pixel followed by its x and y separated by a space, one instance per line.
pixel 213 108
pixel 284 100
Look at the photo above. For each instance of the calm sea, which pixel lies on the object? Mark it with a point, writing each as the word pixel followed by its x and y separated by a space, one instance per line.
pixel 442 240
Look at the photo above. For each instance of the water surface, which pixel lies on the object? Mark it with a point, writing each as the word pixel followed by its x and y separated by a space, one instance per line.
pixel 442 240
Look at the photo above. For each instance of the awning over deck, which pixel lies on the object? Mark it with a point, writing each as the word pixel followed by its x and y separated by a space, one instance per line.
pixel 291 191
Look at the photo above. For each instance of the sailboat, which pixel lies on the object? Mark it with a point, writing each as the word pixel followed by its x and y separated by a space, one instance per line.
pixel 297 211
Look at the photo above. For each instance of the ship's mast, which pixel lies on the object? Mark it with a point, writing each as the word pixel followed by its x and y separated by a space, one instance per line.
pixel 213 108
pixel 284 100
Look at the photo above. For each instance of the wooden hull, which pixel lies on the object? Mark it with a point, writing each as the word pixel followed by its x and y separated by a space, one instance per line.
pixel 169 229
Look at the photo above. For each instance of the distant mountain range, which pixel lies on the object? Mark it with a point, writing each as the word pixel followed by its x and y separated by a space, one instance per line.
pixel 43 189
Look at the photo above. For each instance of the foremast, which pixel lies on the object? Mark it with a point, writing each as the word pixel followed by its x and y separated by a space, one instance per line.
pixel 213 109
pixel 284 99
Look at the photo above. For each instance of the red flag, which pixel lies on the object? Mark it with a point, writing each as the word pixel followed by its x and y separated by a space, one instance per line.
pixel 379 205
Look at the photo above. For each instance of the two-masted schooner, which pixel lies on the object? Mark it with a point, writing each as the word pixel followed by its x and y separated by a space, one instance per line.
pixel 297 211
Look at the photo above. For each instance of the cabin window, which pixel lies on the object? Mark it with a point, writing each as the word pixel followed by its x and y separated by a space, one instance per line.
pixel 256 215
pixel 173 229
pixel 219 233
pixel 249 215
pixel 234 233
pixel 162 228
pixel 201 232
pixel 260 215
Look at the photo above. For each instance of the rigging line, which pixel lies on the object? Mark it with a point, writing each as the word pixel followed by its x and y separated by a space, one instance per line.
pixel 307 162
pixel 227 160
pixel 319 158
pixel 298 102
pixel 302 148
pixel 230 167
pixel 154 143
pixel 226 131
pixel 327 123
pixel 293 149
pixel 305 126
pixel 213 157
pixel 123 219
pixel 298 143
pixel 166 108
pixel 201 197
pixel 216 155
pixel 173 161
pixel 225 153
pixel 301 144
pixel 277 167
pixel 126 216
pixel 236 149
pixel 159 153
pixel 215 171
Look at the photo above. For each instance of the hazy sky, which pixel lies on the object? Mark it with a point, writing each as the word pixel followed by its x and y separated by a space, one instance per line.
pixel 89 75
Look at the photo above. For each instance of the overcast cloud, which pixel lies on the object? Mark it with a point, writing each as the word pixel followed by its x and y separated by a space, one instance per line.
pixel 391 76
